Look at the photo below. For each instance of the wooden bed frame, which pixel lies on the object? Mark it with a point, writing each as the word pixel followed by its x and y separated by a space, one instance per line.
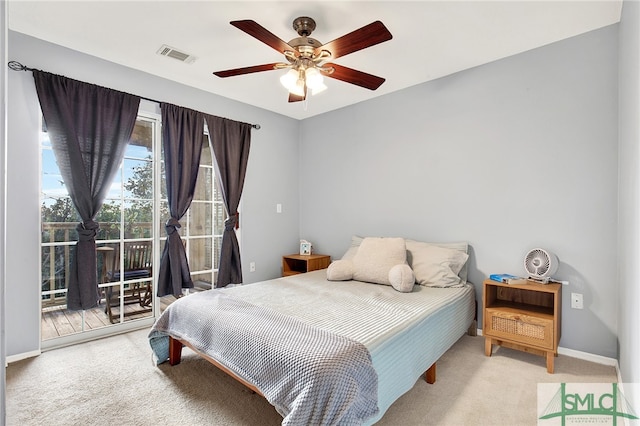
pixel 175 355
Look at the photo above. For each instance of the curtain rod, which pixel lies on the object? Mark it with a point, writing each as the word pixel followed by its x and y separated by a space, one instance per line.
pixel 17 66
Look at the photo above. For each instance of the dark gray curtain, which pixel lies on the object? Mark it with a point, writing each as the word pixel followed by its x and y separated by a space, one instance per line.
pixel 231 141
pixel 182 139
pixel 89 127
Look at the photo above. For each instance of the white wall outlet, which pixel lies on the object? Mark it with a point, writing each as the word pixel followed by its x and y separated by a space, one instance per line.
pixel 252 267
pixel 576 301
pixel 278 208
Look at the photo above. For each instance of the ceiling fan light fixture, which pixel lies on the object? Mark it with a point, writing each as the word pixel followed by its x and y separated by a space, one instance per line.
pixel 298 88
pixel 314 79
pixel 318 89
pixel 289 79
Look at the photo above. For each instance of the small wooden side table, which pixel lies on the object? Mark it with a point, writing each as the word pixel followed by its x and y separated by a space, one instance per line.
pixel 293 264
pixel 525 317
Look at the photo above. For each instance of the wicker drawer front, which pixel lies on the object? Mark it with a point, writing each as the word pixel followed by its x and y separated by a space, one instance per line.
pixel 520 328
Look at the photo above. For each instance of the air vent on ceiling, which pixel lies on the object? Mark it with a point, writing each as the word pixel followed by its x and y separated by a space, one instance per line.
pixel 176 54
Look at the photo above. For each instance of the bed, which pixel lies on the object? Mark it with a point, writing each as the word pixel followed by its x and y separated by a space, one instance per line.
pixel 322 347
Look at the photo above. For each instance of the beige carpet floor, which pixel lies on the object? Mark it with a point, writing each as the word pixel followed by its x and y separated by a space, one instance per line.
pixel 114 382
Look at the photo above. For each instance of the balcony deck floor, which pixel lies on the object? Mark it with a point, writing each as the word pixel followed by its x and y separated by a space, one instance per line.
pixel 59 321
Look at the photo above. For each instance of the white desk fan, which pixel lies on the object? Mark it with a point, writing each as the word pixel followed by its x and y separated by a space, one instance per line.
pixel 540 265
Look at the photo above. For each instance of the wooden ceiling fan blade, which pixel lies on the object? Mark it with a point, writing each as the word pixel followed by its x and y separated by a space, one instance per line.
pixel 364 37
pixel 298 98
pixel 246 70
pixel 359 78
pixel 261 33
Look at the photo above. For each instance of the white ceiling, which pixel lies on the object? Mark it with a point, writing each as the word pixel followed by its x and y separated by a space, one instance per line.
pixel 431 39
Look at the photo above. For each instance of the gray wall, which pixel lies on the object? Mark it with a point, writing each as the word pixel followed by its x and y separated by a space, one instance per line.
pixel 3 157
pixel 629 196
pixel 271 179
pixel 509 156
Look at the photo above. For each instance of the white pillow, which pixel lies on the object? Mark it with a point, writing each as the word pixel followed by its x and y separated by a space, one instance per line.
pixel 375 258
pixel 340 270
pixel 414 250
pixel 401 278
pixel 437 266
pixel 462 246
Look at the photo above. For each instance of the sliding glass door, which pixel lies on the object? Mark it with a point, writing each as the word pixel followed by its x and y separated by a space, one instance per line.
pixel 129 242
pixel 125 242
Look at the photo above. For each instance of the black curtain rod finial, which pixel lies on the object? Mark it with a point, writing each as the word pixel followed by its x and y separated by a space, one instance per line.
pixel 17 66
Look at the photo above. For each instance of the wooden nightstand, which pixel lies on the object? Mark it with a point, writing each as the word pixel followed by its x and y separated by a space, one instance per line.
pixel 300 263
pixel 525 317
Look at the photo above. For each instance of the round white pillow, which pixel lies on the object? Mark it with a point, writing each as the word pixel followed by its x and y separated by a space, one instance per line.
pixel 401 278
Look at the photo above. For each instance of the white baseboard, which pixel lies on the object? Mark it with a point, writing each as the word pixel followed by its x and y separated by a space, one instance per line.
pixel 24 355
pixel 599 359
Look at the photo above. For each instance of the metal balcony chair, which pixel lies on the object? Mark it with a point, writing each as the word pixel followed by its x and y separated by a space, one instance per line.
pixel 138 258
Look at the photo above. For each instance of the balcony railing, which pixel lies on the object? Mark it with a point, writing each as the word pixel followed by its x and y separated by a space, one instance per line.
pixel 57 240
pixel 59 237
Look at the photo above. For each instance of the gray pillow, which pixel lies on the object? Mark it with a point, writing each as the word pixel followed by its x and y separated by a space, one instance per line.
pixel 414 250
pixel 436 266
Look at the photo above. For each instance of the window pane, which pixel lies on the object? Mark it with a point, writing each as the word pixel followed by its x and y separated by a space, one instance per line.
pixel 138 260
pixel 107 262
pixel 141 143
pixel 55 273
pixel 109 219
pixel 200 221
pixel 52 184
pixel 138 218
pixel 216 252
pixel 202 281
pixel 164 217
pixel 200 254
pixel 204 184
pixel 220 215
pixel 138 176
pixel 59 220
pixel 205 156
pixel 45 142
pixel 115 188
pixel 163 182
pixel 217 194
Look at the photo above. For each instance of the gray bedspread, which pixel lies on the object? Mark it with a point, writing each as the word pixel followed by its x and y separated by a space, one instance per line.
pixel 311 376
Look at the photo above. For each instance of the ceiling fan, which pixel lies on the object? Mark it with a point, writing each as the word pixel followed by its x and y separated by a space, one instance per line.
pixel 308 59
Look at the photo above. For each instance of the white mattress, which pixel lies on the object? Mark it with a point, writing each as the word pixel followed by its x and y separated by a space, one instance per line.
pixel 405 333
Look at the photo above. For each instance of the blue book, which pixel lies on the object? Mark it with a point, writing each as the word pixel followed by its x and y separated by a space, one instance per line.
pixel 507 278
